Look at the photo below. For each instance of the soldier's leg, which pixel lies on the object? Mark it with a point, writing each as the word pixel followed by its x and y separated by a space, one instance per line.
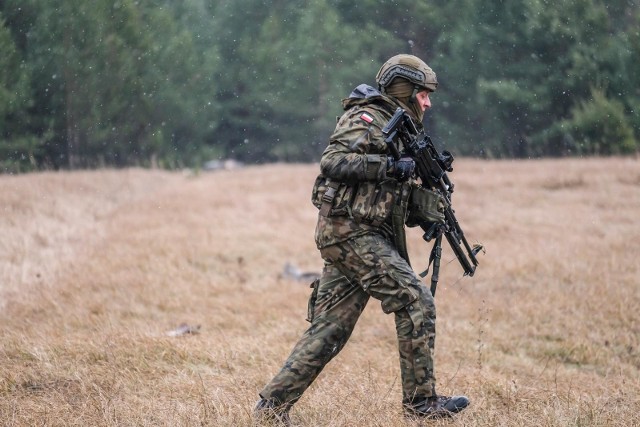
pixel 415 328
pixel 373 263
pixel 338 305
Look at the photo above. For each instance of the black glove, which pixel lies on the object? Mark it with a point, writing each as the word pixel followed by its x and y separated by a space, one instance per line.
pixel 401 169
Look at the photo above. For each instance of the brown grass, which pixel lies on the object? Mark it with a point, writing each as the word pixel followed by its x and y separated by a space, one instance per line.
pixel 96 267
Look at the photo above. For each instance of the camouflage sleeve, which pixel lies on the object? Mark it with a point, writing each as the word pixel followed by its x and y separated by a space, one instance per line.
pixel 356 151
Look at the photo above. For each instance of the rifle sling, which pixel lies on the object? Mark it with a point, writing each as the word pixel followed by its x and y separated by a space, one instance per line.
pixel 434 258
pixel 436 254
pixel 399 236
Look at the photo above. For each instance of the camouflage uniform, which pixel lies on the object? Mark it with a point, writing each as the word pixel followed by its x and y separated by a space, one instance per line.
pixel 358 243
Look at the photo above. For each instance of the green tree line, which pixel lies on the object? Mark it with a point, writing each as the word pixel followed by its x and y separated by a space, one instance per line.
pixel 174 84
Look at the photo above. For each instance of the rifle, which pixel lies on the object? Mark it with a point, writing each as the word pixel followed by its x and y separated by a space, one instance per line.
pixel 431 168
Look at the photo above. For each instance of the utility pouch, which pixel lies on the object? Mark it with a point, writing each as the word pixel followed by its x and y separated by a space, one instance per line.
pixel 373 202
pixel 311 306
pixel 425 206
pixel 331 197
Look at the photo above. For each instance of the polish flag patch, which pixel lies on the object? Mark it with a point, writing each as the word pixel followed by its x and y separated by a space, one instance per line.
pixel 367 118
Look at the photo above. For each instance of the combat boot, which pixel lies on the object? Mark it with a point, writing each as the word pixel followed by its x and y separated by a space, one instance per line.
pixel 269 413
pixel 436 407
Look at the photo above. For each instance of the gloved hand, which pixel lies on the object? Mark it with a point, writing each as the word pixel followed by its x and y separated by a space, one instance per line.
pixel 401 169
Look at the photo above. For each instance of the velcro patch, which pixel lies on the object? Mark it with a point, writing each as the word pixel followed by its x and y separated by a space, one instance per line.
pixel 367 118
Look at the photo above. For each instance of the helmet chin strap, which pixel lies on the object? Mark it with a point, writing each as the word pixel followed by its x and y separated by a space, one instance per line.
pixel 413 103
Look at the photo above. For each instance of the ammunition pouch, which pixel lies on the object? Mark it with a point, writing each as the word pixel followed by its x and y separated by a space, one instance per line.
pixel 425 206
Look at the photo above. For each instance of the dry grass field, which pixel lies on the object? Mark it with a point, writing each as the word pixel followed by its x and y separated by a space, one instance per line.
pixel 97 267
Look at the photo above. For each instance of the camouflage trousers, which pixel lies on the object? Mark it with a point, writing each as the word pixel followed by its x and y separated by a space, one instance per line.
pixel 355 270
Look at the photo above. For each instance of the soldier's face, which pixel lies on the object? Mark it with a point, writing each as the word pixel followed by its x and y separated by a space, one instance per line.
pixel 423 100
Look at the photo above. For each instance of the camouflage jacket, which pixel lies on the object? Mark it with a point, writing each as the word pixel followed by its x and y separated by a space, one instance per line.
pixel 355 165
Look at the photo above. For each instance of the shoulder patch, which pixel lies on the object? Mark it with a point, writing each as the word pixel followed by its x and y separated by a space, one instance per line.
pixel 366 117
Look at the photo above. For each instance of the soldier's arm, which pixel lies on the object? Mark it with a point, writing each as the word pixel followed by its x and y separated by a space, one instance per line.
pixel 357 152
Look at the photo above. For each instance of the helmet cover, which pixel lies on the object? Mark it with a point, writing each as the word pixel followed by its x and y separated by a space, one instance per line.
pixel 410 68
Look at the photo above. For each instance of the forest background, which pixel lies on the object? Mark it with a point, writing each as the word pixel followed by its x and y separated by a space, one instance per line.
pixel 174 84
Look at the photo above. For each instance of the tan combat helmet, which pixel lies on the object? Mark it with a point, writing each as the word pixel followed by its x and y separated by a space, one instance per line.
pixel 409 67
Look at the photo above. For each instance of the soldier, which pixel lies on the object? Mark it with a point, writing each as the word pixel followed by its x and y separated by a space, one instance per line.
pixel 362 194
